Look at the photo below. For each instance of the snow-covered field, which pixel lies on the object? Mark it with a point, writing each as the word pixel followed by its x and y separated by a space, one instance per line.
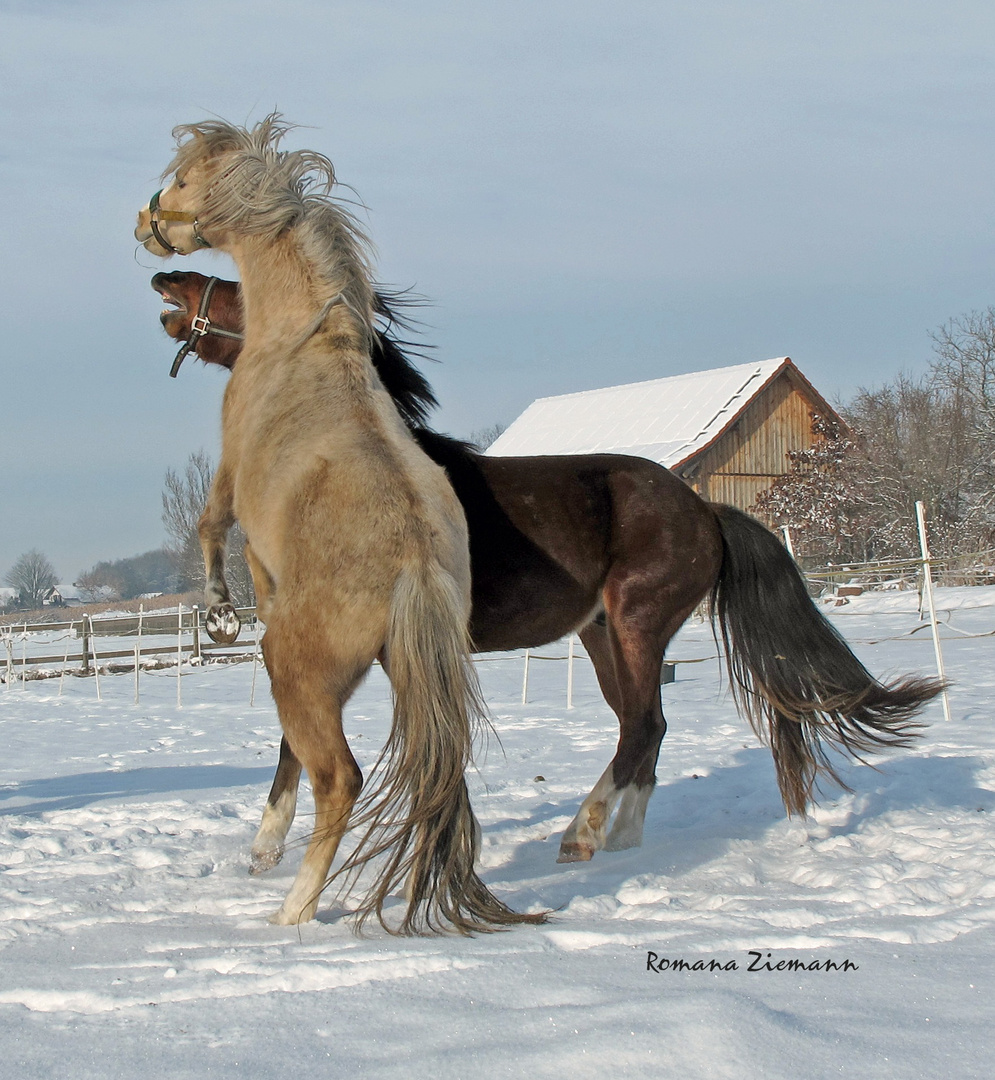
pixel 133 942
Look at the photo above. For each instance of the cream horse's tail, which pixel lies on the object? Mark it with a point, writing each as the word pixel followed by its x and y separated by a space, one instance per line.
pixel 418 817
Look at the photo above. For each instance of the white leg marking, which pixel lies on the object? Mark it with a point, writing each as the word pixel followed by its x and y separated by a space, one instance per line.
pixel 301 902
pixel 267 848
pixel 586 833
pixel 627 831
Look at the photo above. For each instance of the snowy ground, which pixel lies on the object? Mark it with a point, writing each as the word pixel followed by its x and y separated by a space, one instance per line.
pixel 133 942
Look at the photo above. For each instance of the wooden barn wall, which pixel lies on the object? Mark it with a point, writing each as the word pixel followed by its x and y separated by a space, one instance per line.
pixel 753 453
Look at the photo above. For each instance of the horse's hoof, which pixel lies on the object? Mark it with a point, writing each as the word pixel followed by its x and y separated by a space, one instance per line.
pixel 261 861
pixel 575 853
pixel 285 918
pixel 222 624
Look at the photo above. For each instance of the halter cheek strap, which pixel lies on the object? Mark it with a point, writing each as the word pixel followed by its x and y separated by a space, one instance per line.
pixel 157 215
pixel 200 327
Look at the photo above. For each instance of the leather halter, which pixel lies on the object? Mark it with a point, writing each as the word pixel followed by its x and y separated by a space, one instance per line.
pixel 200 327
pixel 157 215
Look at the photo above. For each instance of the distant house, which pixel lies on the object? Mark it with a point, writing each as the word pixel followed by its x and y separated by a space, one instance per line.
pixel 726 432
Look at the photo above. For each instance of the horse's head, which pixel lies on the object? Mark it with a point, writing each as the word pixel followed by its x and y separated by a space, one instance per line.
pixel 205 313
pixel 170 223
pixel 230 181
pixel 216 330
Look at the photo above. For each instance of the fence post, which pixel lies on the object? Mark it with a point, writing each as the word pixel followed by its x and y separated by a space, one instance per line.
pixel 179 655
pixel 65 662
pixel 96 661
pixel 570 673
pixel 927 583
pixel 196 632
pixel 86 644
pixel 525 679
pixel 138 648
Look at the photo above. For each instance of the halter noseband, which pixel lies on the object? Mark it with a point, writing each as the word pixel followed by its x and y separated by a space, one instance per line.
pixel 157 215
pixel 200 327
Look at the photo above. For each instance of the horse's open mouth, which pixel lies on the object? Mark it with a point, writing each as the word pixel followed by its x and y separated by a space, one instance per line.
pixel 174 306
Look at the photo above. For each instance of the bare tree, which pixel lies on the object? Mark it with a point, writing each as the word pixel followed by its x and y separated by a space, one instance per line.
pixel 964 369
pixel 931 438
pixel 33 576
pixel 124 579
pixel 484 437
pixel 98 584
pixel 184 497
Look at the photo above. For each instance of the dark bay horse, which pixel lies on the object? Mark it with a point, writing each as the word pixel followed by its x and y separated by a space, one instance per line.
pixel 622 551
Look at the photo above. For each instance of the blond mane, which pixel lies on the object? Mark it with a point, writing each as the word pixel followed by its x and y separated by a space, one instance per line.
pixel 260 190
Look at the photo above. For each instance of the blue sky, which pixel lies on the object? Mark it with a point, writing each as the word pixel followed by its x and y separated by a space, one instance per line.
pixel 588 194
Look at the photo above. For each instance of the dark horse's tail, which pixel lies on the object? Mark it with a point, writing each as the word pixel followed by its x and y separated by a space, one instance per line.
pixel 793 675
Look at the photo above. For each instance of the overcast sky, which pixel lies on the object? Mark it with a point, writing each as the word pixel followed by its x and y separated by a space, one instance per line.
pixel 588 193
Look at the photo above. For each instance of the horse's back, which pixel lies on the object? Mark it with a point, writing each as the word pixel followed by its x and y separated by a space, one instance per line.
pixel 559 527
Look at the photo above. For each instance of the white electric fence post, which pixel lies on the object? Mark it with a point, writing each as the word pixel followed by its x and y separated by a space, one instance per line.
pixel 179 655
pixel 927 584
pixel 96 662
pixel 570 673
pixel 9 642
pixel 786 533
pixel 525 679
pixel 138 648
pixel 65 661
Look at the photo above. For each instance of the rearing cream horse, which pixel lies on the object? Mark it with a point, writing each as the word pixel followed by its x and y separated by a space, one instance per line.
pixel 357 544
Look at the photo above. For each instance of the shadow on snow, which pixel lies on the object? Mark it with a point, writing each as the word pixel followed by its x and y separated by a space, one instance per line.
pixel 82 789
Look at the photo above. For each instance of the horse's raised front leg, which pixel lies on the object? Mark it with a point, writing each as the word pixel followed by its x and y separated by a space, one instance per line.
pixel 267 848
pixel 221 621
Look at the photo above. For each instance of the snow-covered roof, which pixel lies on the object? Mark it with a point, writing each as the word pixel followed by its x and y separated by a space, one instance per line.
pixel 667 420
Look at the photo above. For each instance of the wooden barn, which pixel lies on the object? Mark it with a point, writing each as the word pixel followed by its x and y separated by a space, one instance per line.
pixel 726 432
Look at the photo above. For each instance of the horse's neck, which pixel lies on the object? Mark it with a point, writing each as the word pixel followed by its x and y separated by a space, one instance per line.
pixel 283 297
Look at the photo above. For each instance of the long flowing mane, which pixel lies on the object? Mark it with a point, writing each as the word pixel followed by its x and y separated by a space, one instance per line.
pixel 261 190
pixel 411 392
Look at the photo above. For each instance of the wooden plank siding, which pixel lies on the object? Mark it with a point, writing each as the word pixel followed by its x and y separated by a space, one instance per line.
pixel 752 452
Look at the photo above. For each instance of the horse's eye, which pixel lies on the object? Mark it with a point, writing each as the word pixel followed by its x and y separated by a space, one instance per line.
pixel 181 183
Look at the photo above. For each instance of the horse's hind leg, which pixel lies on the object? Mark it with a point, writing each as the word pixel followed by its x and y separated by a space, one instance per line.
pixel 627 662
pixel 310 691
pixel 267 847
pixel 588 831
pixel 281 805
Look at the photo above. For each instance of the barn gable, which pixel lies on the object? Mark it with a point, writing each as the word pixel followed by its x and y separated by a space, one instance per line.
pixel 726 432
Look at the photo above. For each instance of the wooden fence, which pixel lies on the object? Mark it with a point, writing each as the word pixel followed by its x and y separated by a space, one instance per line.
pixel 84 652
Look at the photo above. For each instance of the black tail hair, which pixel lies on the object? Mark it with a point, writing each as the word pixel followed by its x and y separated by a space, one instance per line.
pixel 796 679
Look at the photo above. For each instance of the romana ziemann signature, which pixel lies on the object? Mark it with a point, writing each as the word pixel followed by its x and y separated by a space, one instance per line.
pixel 757 961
